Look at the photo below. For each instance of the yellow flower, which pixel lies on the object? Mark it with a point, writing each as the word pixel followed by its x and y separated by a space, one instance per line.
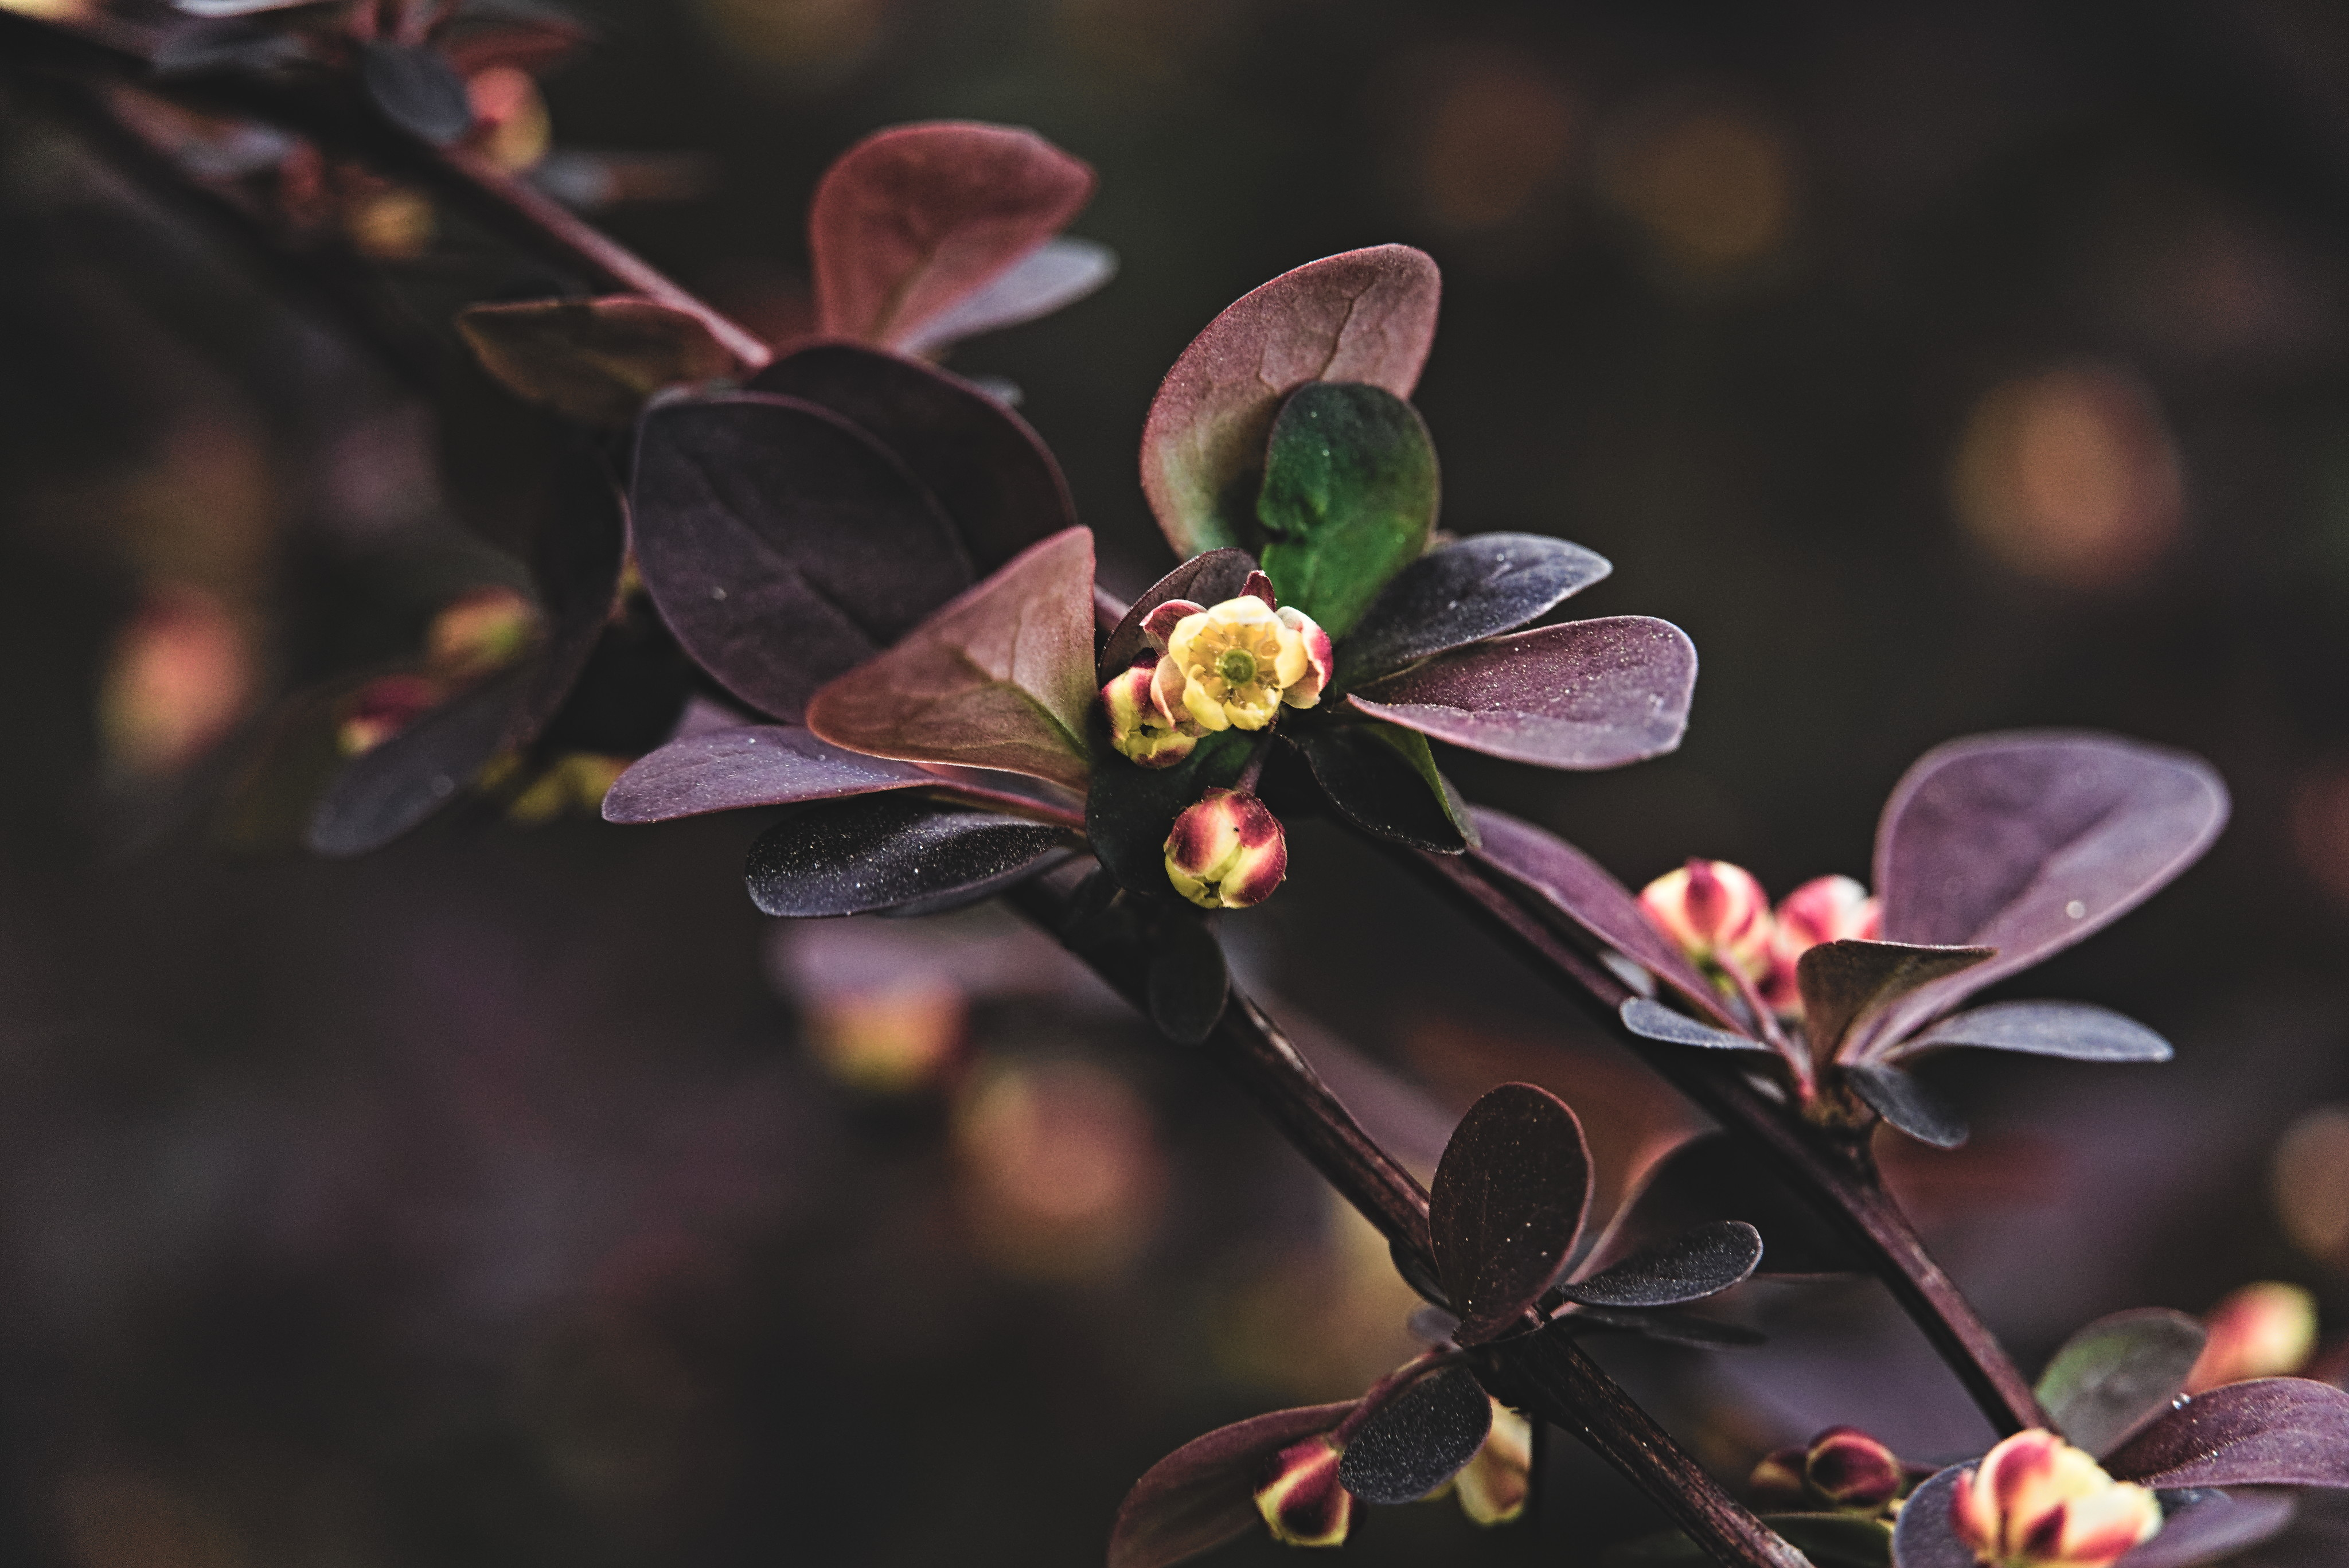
pixel 1236 657
pixel 2035 1501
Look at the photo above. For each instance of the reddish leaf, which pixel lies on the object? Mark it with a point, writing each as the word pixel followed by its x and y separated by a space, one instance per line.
pixel 1001 678
pixel 593 360
pixel 758 764
pixel 915 220
pixel 1587 694
pixel 2273 1431
pixel 2029 841
pixel 1204 1493
pixel 977 458
pixel 1207 579
pixel 1365 316
pixel 1845 983
pixel 1507 1202
pixel 1058 273
pixel 782 544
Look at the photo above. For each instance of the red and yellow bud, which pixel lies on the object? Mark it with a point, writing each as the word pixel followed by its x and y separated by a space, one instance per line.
pixel 1141 725
pixel 383 708
pixel 2035 1501
pixel 2266 1329
pixel 1494 1487
pixel 1306 690
pixel 1302 1502
pixel 479 632
pixel 1777 1484
pixel 1235 659
pixel 1226 852
pixel 1716 912
pixel 1852 1471
pixel 1824 909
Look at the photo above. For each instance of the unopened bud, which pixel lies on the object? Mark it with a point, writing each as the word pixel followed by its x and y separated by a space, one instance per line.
pixel 383 708
pixel 1226 852
pixel 2035 1501
pixel 1824 909
pixel 1852 1470
pixel 1494 1485
pixel 1302 1502
pixel 1777 1485
pixel 1141 725
pixel 1716 912
pixel 2266 1329
pixel 481 631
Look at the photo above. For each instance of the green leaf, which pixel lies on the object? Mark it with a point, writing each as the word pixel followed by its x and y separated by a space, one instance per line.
pixel 1131 809
pixel 1383 779
pixel 593 360
pixel 2117 1374
pixel 1001 677
pixel 1348 499
pixel 1828 1540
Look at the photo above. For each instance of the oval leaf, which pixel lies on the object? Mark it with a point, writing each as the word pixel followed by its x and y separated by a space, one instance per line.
pixel 1188 982
pixel 1204 1493
pixel 593 360
pixel 1904 1100
pixel 1058 272
pixel 1506 1205
pixel 1207 579
pixel 1465 592
pixel 1384 780
pixel 2029 841
pixel 2205 1526
pixel 1417 1441
pixel 1365 316
pixel 2069 1029
pixel 382 794
pixel 1847 982
pixel 912 222
pixel 1654 1021
pixel 783 546
pixel 1587 694
pixel 1693 1265
pixel 758 764
pixel 1924 1536
pixel 2273 1431
pixel 892 851
pixel 1000 678
pixel 2117 1374
pixel 1349 500
pixel 417 90
pixel 1130 810
pixel 980 461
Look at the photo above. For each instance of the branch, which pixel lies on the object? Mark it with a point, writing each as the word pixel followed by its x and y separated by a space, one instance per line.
pixel 1841 1181
pixel 1562 1384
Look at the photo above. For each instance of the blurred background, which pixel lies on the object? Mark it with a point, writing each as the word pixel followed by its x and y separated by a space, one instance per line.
pixel 519 1196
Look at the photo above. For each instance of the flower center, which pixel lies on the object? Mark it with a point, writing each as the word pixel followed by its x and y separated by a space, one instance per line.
pixel 1236 665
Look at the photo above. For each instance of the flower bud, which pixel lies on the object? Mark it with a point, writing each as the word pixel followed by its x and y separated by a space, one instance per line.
pixel 480 633
pixel 383 708
pixel 1226 852
pixel 1853 1471
pixel 1306 690
pixel 1716 912
pixel 1303 1502
pixel 2035 1501
pixel 2267 1330
pixel 1235 660
pixel 1141 725
pixel 1825 910
pixel 1777 1484
pixel 1494 1485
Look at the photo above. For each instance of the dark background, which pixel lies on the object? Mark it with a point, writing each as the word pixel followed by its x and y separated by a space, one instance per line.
pixel 496 1198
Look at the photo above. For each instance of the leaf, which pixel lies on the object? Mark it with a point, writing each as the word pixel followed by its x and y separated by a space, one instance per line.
pixel 1996 839
pixel 2272 1431
pixel 1904 1100
pixel 218 8
pixel 758 764
pixel 2205 1526
pixel 892 851
pixel 1463 593
pixel 1058 273
pixel 913 221
pixel 1188 982
pixel 225 44
pixel 1415 1273
pixel 999 678
pixel 1924 1536
pixel 1715 1177
pixel 1418 1440
pixel 1507 1202
pixel 1828 1540
pixel 1695 1264
pixel 1130 810
pixel 381 793
pixel 417 90
pixel 2117 1374
pixel 1365 316
pixel 1207 579
pixel 1587 694
pixel 1204 1493
pixel 1666 1327
pixel 1547 870
pixel 1384 780
pixel 593 360
pixel 782 544
pixel 1348 499
pixel 1654 1021
pixel 2069 1029
pixel 1846 982
pixel 978 459
pixel 577 553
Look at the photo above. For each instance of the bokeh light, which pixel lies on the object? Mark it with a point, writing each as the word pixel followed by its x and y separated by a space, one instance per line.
pixel 2310 1180
pixel 1711 188
pixel 1063 1174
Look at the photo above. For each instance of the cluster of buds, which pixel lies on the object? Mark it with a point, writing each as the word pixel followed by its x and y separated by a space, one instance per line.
pixel 1304 1504
pixel 1719 915
pixel 1230 666
pixel 1843 1469
pixel 2035 1501
pixel 1226 851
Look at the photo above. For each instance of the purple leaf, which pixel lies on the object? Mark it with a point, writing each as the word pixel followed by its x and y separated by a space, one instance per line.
pixel 1507 1202
pixel 1587 694
pixel 2117 1374
pixel 1204 1493
pixel 1465 592
pixel 758 764
pixel 1654 1021
pixel 2208 1525
pixel 593 360
pixel 1207 579
pixel 782 544
pixel 576 557
pixel 1695 1264
pixel 1365 316
pixel 913 221
pixel 1000 678
pixel 1418 1440
pixel 382 794
pixel 1547 868
pixel 1904 1100
pixel 1058 273
pixel 2028 842
pixel 977 458
pixel 1925 1537
pixel 2275 1431
pixel 1847 982
pixel 893 852
pixel 2069 1029
pixel 417 90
